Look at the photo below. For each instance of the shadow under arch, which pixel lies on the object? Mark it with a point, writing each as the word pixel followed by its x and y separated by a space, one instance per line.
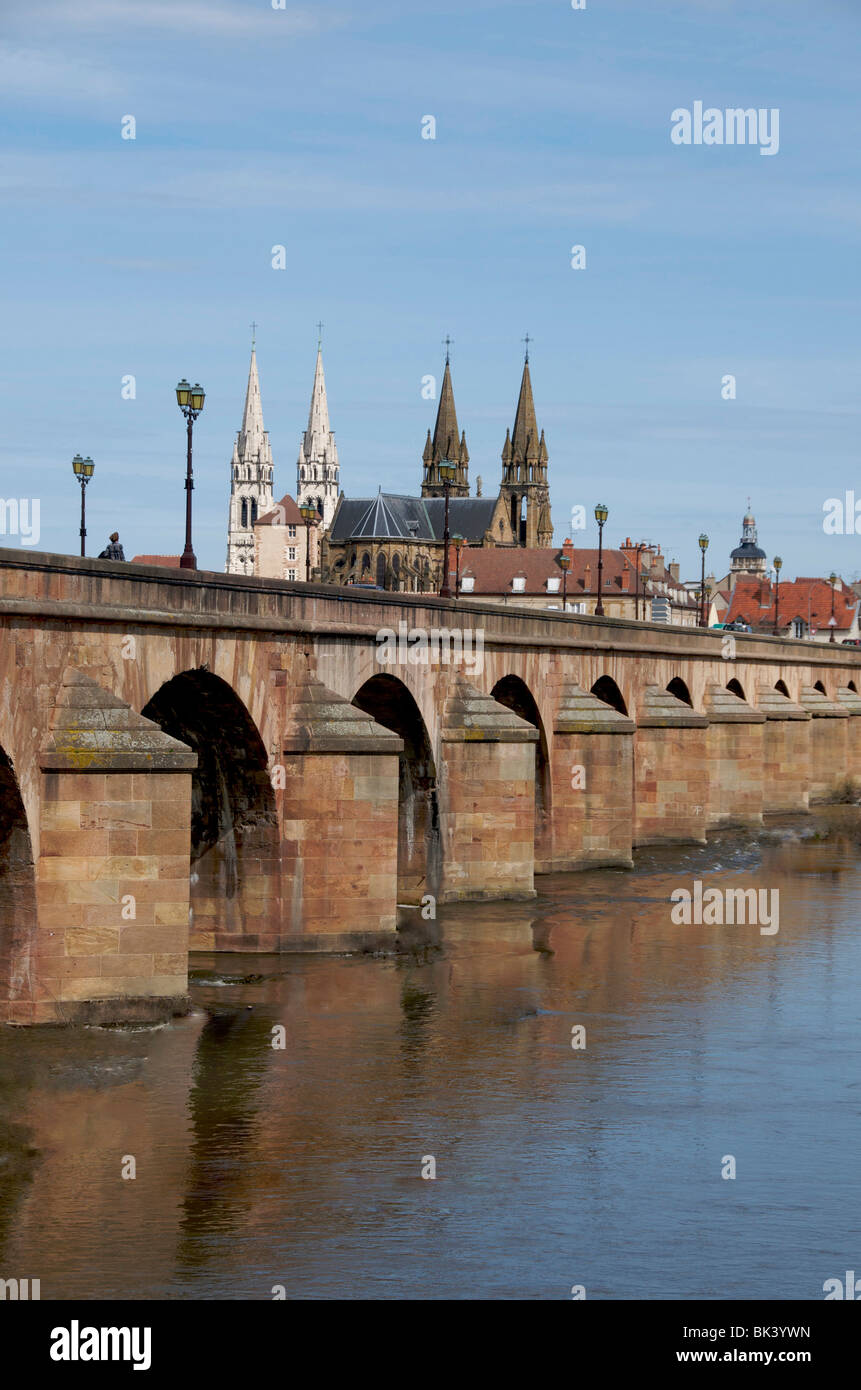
pixel 817 685
pixel 387 699
pixel 515 694
pixel 17 891
pixel 783 688
pixel 606 689
pixel 852 686
pixel 736 687
pixel 235 845
pixel 678 688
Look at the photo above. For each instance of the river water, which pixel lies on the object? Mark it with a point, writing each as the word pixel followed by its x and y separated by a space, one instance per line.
pixel 556 1166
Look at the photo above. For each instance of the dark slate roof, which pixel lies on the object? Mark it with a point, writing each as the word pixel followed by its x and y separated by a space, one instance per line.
pixel 468 516
pixel 389 516
pixel 747 551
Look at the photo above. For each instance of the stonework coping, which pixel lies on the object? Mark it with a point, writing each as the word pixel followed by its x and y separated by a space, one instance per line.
pixel 93 730
pixel 320 721
pixel 661 710
pixel 725 707
pixel 775 705
pixel 820 706
pixel 581 712
pixel 471 716
pixel 850 698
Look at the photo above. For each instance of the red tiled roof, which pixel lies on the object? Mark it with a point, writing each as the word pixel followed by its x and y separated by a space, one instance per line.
pixel 807 599
pixel 493 569
pixel 168 562
pixel 285 513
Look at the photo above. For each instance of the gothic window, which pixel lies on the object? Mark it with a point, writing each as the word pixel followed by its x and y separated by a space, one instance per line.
pixel 366 562
pixel 381 570
pixel 244 515
pixel 253 510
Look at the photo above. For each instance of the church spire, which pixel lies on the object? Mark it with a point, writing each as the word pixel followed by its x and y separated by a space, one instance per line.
pixel 447 444
pixel 317 469
pixel 250 478
pixel 524 471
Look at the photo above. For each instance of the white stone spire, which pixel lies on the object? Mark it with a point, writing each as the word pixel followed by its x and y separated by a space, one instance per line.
pixel 251 478
pixel 317 470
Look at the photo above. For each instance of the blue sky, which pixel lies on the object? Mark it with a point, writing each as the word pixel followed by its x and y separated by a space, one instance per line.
pixel 302 127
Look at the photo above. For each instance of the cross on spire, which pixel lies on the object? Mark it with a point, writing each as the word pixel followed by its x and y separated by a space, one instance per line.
pixel 448 342
pixel 527 340
pixel 319 335
pixel 253 334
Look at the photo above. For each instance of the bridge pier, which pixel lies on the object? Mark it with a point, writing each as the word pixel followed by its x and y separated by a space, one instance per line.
pixel 592 783
pixel 670 777
pixel 111 943
pixel 828 745
pixel 487 808
pixel 734 751
pixel 851 701
pixel 785 754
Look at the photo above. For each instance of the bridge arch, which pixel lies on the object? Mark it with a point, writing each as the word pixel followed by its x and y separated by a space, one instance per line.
pixel 515 694
pixel 17 890
pixel 736 687
pixel 678 688
pixel 606 689
pixel 387 700
pixel 235 845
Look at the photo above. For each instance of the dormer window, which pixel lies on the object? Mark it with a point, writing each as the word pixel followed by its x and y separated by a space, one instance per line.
pixel 554 584
pixel 467 584
pixel 518 583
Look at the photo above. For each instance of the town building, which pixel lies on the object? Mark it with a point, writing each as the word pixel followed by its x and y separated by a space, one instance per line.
pixel 282 541
pixel 803 608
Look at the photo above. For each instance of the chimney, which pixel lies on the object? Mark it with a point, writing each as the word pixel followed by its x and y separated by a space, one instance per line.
pixel 626 580
pixel 674 570
pixel 587 579
pixel 568 548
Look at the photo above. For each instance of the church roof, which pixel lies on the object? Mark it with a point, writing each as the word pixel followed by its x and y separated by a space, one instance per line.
pixel 747 551
pixel 390 516
pixel 318 441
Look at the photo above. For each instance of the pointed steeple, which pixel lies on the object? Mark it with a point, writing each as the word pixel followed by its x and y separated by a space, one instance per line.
pixel 524 471
pixel 524 442
pixel 317 469
pixel 447 444
pixel 252 440
pixel 251 478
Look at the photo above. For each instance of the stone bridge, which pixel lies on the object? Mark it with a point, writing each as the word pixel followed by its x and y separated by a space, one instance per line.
pixel 217 762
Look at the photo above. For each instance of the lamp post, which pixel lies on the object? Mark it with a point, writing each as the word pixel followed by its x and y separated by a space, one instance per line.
pixel 565 565
pixel 447 472
pixel 777 564
pixel 83 470
pixel 704 545
pixel 457 542
pixel 190 401
pixel 600 517
pixel 309 514
pixel 832 579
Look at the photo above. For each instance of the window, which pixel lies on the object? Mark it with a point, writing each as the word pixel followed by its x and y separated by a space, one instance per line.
pixel 244 514
pixel 291 552
pixel 291 532
pixel 467 584
pixel 518 583
pixel 798 627
pixel 291 574
pixel 553 586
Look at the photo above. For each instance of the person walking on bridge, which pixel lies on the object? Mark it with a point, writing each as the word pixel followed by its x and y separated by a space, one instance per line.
pixel 113 550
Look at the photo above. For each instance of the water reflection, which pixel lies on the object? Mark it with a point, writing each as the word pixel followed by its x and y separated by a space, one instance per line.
pixel 258 1166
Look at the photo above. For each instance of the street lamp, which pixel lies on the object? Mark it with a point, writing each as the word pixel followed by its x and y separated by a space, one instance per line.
pixel 190 401
pixel 83 470
pixel 777 564
pixel 832 579
pixel 448 473
pixel 309 514
pixel 600 517
pixel 565 565
pixel 704 545
pixel 457 542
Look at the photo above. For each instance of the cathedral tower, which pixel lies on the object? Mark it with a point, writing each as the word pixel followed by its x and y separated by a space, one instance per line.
pixel 318 473
pixel 446 446
pixel 524 473
pixel 251 479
